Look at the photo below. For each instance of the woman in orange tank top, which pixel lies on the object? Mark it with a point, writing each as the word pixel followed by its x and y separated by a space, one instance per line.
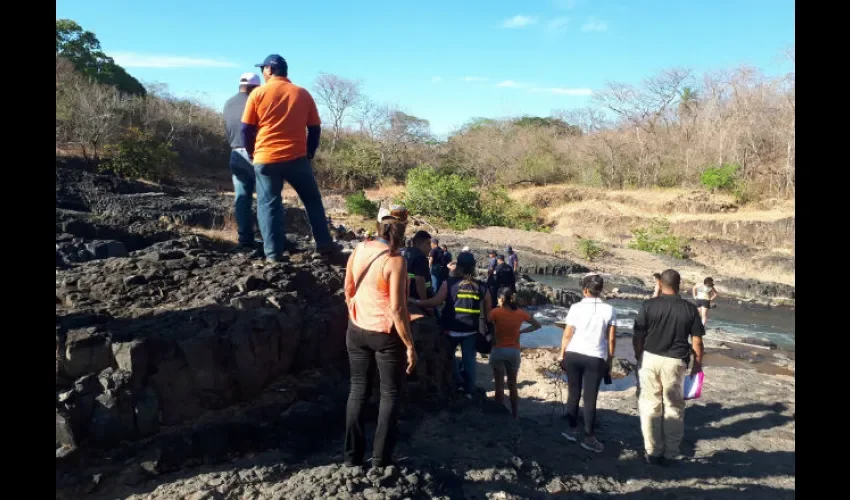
pixel 376 290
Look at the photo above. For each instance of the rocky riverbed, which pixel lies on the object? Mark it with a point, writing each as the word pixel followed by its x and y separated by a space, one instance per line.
pixel 739 443
pixel 185 369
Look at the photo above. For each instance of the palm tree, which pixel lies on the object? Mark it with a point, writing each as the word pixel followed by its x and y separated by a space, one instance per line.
pixel 688 101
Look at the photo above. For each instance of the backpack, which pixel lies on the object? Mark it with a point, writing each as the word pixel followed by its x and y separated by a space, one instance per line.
pixel 463 305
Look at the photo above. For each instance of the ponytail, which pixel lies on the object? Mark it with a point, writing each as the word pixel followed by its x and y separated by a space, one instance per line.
pixel 508 297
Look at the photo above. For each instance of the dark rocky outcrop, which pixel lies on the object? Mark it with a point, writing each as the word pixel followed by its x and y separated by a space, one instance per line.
pixel 169 336
pixel 431 384
pixel 531 262
pixel 532 293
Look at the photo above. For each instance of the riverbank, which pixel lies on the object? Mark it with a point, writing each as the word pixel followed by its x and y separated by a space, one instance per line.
pixel 631 270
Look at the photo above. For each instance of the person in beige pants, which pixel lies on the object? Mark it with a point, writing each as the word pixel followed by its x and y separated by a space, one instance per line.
pixel 661 333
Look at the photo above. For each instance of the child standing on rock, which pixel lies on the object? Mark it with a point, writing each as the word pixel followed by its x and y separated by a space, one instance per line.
pixel 505 356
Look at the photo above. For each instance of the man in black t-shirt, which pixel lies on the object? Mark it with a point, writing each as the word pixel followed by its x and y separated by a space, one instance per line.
pixel 446 260
pixel 417 266
pixel 435 262
pixel 661 345
pixel 503 276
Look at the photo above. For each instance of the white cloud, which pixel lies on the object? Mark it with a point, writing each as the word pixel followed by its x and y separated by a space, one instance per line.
pixel 557 24
pixel 564 91
pixel 508 84
pixel 136 60
pixel 475 79
pixel 436 78
pixel 593 24
pixel 519 22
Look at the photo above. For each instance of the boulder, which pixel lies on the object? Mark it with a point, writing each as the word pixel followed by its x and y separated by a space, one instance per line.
pixel 621 368
pixel 64 432
pixel 107 249
pixel 431 382
pixel 87 350
pixel 146 410
pixel 113 416
pixel 263 344
pixel 179 399
pixel 133 358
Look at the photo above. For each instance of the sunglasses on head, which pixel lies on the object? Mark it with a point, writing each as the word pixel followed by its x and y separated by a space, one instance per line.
pixel 399 215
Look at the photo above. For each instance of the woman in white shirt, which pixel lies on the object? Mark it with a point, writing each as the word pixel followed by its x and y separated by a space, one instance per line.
pixel 703 295
pixel 587 349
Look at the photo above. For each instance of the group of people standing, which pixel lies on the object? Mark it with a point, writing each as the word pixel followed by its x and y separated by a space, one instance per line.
pixel 274 131
pixel 382 278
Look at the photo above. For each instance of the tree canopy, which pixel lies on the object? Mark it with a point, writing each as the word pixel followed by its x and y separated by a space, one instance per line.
pixel 82 49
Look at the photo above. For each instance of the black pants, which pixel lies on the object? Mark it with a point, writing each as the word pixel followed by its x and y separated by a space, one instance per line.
pixel 584 374
pixel 366 351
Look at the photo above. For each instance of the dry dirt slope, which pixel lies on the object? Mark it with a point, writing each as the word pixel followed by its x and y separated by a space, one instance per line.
pixel 754 241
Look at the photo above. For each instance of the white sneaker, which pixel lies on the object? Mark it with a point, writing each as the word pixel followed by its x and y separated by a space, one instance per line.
pixel 571 436
pixel 595 447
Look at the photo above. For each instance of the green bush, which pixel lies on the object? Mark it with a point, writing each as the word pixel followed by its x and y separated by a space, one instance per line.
pixel 358 204
pixel 498 209
pixel 658 239
pixel 589 249
pixel 453 199
pixel 139 155
pixel 449 197
pixel 722 178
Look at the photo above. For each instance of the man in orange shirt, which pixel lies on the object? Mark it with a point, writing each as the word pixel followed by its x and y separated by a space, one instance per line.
pixel 280 129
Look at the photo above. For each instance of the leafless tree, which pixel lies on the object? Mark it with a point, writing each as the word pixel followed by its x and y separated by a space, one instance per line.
pixel 340 96
pixel 373 118
pixel 90 114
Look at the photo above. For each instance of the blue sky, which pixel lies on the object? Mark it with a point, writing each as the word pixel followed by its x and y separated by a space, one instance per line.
pixel 446 61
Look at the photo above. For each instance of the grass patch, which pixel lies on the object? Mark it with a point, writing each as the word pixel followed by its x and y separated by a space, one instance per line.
pixel 722 178
pixel 590 249
pixel 358 204
pixel 658 239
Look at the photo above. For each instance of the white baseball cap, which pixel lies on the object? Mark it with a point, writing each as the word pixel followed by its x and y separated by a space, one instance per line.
pixel 249 79
pixel 397 212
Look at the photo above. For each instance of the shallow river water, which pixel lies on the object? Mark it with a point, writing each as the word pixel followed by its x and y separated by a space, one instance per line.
pixel 744 320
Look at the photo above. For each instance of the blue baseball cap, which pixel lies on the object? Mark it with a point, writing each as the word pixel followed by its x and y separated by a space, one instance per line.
pixel 274 60
pixel 466 259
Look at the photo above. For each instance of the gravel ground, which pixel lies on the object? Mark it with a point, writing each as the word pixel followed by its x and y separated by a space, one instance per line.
pixel 739 443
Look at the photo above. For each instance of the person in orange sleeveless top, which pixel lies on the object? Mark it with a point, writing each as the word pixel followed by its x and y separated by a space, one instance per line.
pixel 376 292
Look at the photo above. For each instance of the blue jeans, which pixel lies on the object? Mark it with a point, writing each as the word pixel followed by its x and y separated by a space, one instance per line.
pixel 270 178
pixel 436 281
pixel 243 186
pixel 468 353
